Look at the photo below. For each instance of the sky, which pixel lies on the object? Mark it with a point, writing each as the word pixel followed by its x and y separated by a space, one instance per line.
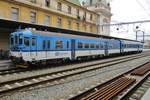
pixel 129 11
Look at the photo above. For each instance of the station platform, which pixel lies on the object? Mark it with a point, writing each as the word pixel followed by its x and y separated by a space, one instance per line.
pixel 146 95
pixel 5 64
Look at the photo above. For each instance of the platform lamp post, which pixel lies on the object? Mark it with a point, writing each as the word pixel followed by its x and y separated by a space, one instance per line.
pixel 137 27
pixel 143 36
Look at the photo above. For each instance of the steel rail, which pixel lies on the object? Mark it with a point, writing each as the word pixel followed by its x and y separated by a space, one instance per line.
pixel 48 77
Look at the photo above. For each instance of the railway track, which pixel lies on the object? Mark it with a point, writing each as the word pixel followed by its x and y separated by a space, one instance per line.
pixel 117 88
pixel 17 84
pixel 19 70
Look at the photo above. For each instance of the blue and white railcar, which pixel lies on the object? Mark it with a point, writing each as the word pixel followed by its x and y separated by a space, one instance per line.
pixel 31 47
pixel 131 46
pixel 113 46
pixel 90 47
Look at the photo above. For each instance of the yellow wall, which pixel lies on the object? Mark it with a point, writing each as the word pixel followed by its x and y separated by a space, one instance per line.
pixel 24 16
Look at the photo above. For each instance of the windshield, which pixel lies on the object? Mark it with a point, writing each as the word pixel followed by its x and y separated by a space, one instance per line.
pixel 16 41
pixel 20 39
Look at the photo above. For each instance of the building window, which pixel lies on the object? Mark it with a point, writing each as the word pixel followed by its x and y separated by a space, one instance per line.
pixel 33 1
pixel 33 17
pixel 84 17
pixel 91 28
pixel 47 3
pixel 69 24
pixel 59 6
pixel 78 12
pixel 15 14
pixel 84 26
pixel 91 2
pixel 91 17
pixel 78 26
pixel 47 20
pixel 59 21
pixel 69 9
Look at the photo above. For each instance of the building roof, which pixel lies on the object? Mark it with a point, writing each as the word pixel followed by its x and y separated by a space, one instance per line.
pixel 77 2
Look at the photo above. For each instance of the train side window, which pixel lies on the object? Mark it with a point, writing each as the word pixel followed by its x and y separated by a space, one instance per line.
pixel 20 39
pixel 67 45
pixel 92 45
pixel 59 44
pixel 80 45
pixel 26 41
pixel 33 41
pixel 97 46
pixel 48 44
pixel 101 46
pixel 86 45
pixel 44 44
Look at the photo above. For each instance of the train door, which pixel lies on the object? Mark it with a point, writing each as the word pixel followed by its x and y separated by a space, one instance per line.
pixel 121 46
pixel 106 48
pixel 73 49
pixel 27 47
pixel 44 49
pixel 47 48
pixel 33 48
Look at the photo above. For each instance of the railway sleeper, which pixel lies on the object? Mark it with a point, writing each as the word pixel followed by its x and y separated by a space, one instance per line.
pixel 111 90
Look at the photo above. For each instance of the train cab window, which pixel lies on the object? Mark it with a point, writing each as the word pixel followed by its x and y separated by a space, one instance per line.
pixel 26 41
pixel 33 41
pixel 59 44
pixel 86 45
pixel 44 44
pixel 16 39
pixel 20 39
pixel 48 44
pixel 80 45
pixel 67 45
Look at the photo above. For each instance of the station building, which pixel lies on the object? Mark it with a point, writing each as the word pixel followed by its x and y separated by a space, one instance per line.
pixel 62 14
pixel 102 8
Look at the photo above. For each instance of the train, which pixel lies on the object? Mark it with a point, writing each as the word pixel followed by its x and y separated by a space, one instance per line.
pixel 32 47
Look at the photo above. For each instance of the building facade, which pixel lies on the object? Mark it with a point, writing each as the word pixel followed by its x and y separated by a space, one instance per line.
pixel 65 14
pixel 55 13
pixel 101 7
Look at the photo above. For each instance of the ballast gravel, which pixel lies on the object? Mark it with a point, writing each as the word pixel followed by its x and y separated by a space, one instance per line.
pixel 73 85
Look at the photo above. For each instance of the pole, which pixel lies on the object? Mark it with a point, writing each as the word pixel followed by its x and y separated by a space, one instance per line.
pixel 143 36
pixel 136 35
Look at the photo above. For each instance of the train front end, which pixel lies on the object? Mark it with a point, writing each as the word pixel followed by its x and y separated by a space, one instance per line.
pixel 16 49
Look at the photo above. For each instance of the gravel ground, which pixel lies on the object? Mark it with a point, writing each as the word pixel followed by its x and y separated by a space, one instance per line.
pixel 73 85
pixel 43 71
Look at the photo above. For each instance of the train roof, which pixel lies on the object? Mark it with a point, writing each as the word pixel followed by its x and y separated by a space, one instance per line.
pixel 77 35
pixel 47 33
